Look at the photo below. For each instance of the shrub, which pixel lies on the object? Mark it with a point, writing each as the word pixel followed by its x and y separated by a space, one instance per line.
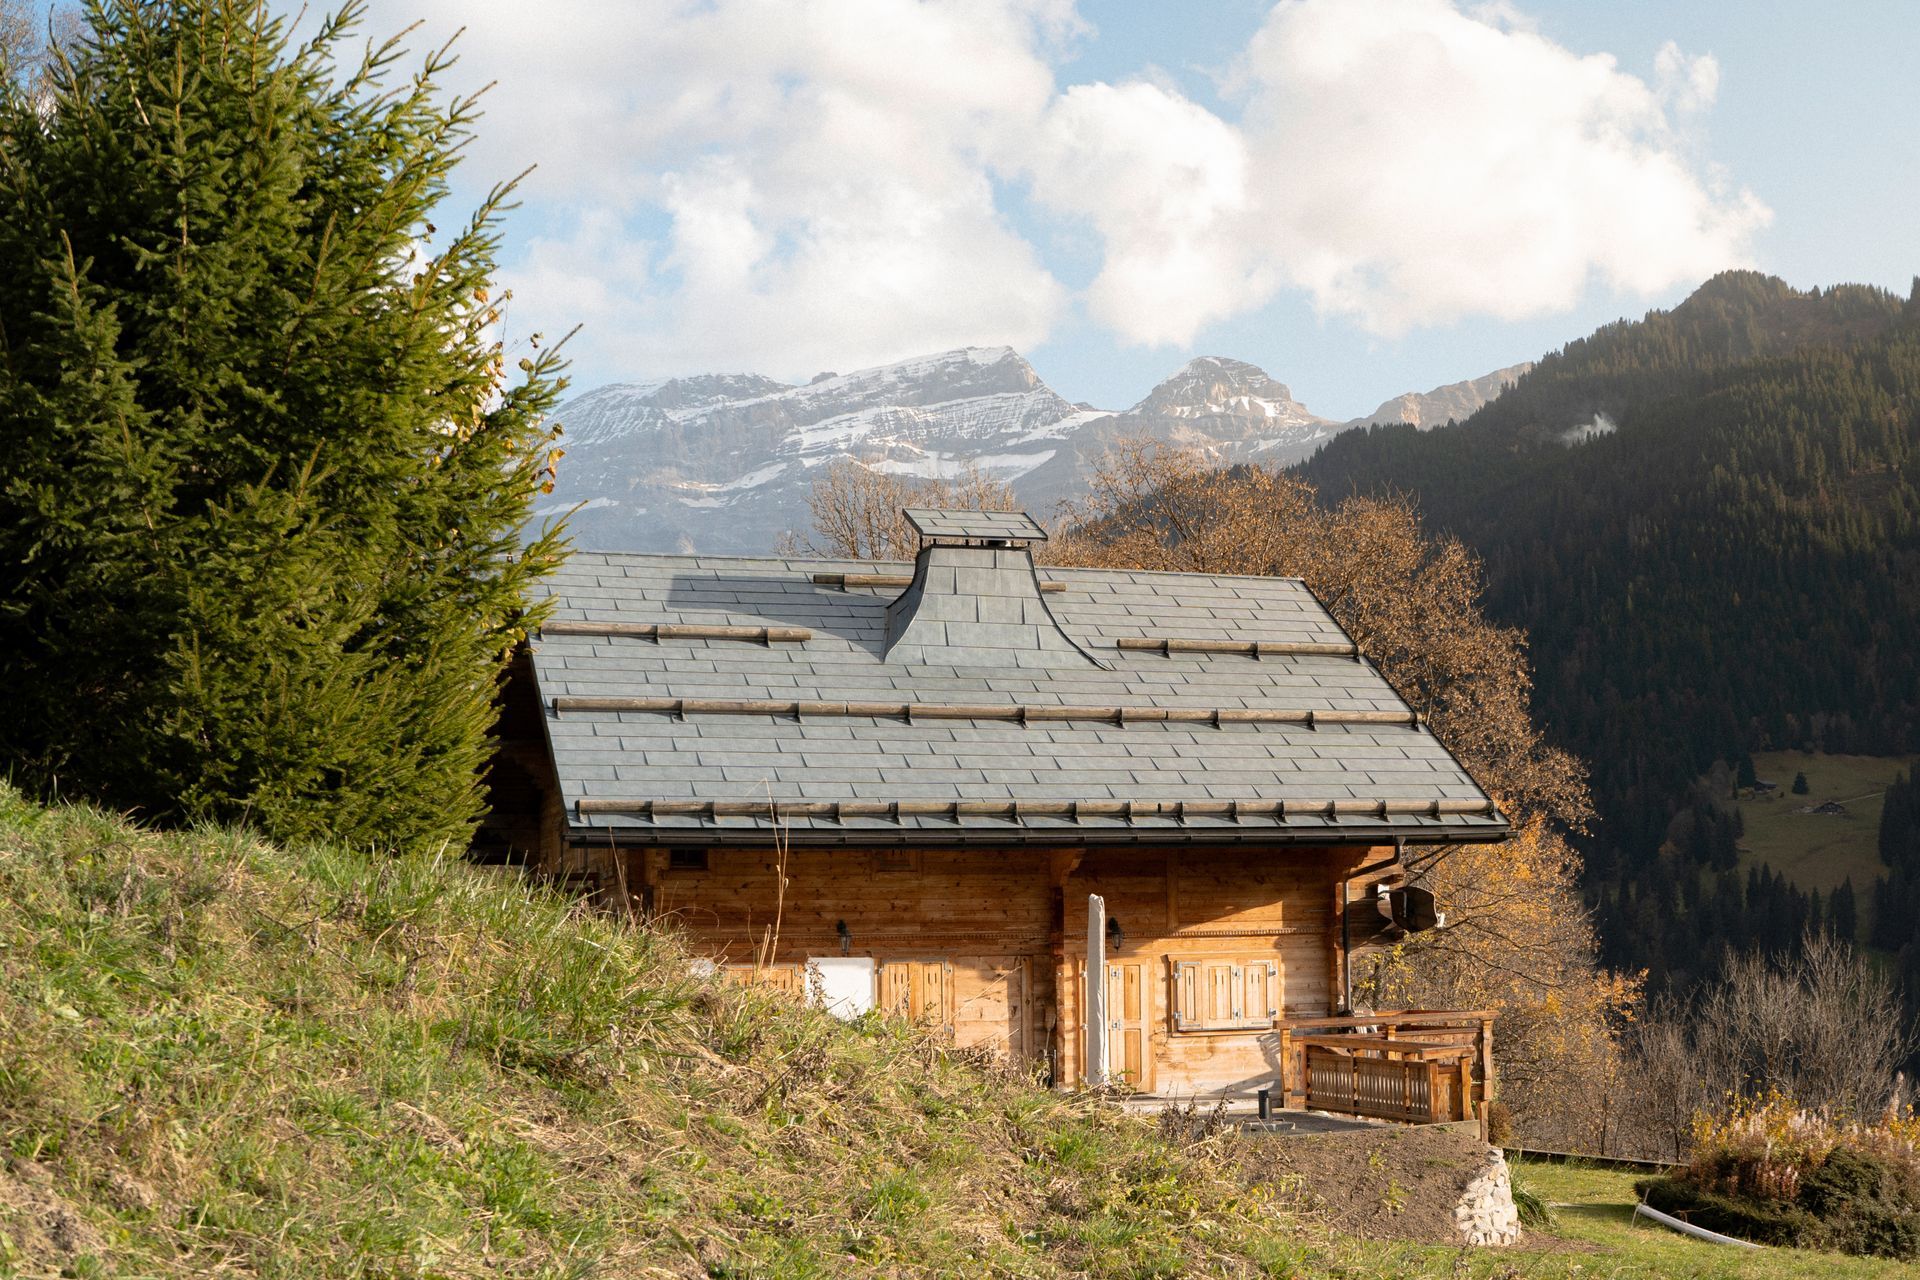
pixel 1777 1173
pixel 1749 1218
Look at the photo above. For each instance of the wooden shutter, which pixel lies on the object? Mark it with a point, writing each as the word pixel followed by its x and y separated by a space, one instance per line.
pixel 896 990
pixel 1261 1002
pixel 1186 995
pixel 781 977
pixel 920 990
pixel 935 1003
pixel 1129 1043
pixel 1225 995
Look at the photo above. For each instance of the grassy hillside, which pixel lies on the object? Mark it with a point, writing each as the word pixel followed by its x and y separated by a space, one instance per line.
pixel 218 1057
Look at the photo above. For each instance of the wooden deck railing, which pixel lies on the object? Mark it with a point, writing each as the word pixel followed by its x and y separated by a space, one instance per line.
pixel 1416 1066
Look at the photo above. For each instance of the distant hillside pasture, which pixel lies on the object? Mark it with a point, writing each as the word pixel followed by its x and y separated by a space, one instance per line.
pixel 1814 850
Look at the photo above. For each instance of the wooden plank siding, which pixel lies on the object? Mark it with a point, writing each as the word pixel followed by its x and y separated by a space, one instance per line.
pixel 992 943
pixel 1231 908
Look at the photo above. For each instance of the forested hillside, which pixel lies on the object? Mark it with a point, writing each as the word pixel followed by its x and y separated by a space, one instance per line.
pixel 1709 521
pixel 1896 895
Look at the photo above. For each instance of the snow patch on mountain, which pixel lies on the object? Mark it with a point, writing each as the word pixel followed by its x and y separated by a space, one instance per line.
pixel 724 462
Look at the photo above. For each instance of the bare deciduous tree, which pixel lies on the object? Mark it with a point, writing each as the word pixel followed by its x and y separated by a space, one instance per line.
pixel 1822 1027
pixel 856 509
pixel 27 41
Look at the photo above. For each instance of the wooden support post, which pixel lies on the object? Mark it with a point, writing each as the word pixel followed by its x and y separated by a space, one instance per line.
pixel 1484 1048
pixel 1286 1066
pixel 1095 1075
pixel 1173 892
pixel 1064 1032
pixel 1339 997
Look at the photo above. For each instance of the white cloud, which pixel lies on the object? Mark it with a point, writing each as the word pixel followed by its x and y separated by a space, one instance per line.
pixel 770 184
pixel 786 185
pixel 1407 164
pixel 1165 183
pixel 1687 84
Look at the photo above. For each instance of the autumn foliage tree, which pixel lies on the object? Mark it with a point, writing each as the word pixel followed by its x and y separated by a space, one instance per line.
pixel 1519 938
pixel 264 471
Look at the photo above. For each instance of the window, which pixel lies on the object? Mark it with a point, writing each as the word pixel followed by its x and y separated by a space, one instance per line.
pixel 686 859
pixel 1225 995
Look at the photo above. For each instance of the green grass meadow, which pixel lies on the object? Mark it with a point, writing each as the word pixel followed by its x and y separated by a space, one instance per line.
pixel 1593 1210
pixel 1817 851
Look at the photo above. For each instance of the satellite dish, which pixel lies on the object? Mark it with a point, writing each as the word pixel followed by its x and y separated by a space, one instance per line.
pixel 1414 909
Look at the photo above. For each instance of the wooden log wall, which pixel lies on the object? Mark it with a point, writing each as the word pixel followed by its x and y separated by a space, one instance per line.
pixel 986 914
pixel 1010 925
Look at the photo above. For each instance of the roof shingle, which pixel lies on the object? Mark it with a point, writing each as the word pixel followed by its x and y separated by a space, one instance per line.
pixel 1332 780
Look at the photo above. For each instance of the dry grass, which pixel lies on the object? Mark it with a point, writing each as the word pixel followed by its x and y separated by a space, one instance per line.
pixel 217 1057
pixel 222 1058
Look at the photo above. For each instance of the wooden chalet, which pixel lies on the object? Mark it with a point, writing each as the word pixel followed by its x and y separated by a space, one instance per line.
pixel 900 786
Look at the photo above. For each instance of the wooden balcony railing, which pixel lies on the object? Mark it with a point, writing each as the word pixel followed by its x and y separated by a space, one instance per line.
pixel 1415 1066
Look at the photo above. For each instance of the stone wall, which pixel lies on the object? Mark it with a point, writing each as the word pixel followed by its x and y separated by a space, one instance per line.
pixel 1486 1212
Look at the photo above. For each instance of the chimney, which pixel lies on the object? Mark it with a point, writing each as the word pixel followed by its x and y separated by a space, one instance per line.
pixel 975 599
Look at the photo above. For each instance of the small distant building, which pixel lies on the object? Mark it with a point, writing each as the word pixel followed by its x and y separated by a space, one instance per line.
pixel 1831 809
pixel 947 759
pixel 1762 787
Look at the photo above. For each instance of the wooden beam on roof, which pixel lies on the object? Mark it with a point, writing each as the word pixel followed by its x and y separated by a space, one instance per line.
pixel 850 580
pixel 1015 712
pixel 677 631
pixel 1249 648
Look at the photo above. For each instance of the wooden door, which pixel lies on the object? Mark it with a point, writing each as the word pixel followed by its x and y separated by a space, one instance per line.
pixel 991 998
pixel 1129 1044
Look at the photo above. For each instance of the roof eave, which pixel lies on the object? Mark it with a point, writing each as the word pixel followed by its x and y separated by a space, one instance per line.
pixel 602 837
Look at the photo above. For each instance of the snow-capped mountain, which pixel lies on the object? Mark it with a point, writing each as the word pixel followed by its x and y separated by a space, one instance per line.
pixel 724 462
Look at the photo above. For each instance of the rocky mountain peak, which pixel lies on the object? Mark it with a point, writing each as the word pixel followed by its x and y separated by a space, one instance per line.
pixel 1214 386
pixel 724 462
pixel 1452 403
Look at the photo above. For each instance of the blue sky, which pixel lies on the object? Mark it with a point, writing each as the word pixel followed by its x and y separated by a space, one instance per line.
pixel 1362 196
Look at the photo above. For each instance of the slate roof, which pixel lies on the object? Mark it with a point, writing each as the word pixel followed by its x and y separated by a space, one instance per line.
pixel 762 722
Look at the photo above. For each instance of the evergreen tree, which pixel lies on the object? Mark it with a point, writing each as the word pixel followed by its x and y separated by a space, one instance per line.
pixel 1900 824
pixel 263 477
pixel 1843 913
pixel 1800 784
